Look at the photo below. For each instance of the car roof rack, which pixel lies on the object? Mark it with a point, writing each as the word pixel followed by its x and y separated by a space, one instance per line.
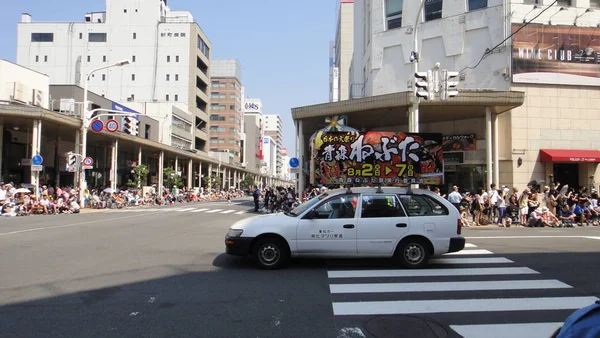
pixel 348 189
pixel 379 190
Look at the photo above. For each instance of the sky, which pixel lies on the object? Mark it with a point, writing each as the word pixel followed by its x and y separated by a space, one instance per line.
pixel 283 45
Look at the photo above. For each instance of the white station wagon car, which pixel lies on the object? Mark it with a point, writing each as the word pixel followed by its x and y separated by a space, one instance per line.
pixel 408 225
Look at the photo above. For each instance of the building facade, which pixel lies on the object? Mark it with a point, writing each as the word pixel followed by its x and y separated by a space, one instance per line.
pixel 269 156
pixel 341 50
pixel 543 48
pixel 168 52
pixel 273 128
pixel 253 157
pixel 226 107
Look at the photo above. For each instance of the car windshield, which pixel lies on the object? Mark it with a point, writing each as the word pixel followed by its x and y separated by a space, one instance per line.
pixel 306 205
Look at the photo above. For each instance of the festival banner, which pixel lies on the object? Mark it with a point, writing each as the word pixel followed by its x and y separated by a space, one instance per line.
pixel 556 54
pixel 385 158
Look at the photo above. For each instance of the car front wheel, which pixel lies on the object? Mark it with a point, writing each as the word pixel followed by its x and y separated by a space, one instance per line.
pixel 270 253
pixel 413 253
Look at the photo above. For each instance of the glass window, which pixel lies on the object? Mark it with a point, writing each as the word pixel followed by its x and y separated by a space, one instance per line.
pixel 566 3
pixel 176 77
pixel 393 13
pixel 133 58
pixel 595 3
pixel 132 77
pixel 307 205
pixel 97 37
pixel 42 37
pixel 477 4
pixel 379 206
pixel 203 47
pixel 168 58
pixel 338 207
pixel 135 35
pixel 176 58
pixel 433 9
pixel 421 205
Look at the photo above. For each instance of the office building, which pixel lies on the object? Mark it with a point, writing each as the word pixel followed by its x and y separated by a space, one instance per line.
pixel 253 157
pixel 273 128
pixel 341 50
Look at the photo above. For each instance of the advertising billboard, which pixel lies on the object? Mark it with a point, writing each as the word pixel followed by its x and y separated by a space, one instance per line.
pixel 460 142
pixel 252 106
pixel 556 55
pixel 386 158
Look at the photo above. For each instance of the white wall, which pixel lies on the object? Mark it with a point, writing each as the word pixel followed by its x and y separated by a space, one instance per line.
pixel 27 81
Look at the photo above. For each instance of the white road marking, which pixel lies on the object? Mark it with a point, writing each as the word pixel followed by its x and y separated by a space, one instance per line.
pixel 199 210
pixel 529 330
pixel 227 211
pixel 461 305
pixel 470 252
pixel 185 209
pixel 521 237
pixel 213 211
pixel 449 286
pixel 592 237
pixel 431 272
pixel 470 245
pixel 470 260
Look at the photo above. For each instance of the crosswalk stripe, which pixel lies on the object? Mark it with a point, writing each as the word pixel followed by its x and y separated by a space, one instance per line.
pixel 185 209
pixel 199 210
pixel 460 305
pixel 227 211
pixel 470 252
pixel 241 212
pixel 213 211
pixel 471 260
pixel 431 272
pixel 470 245
pixel 507 330
pixel 448 286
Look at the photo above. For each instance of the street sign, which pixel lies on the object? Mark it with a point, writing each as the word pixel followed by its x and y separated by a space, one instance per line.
pixel 88 163
pixel 37 160
pixel 37 167
pixel 112 125
pixel 97 126
pixel 294 162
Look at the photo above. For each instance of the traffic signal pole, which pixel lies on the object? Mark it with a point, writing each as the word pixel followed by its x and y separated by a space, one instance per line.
pixel 413 116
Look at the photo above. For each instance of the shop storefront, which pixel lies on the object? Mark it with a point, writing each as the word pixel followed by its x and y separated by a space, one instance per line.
pixel 464 164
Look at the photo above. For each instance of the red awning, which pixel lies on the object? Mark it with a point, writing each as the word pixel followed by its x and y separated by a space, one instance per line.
pixel 563 155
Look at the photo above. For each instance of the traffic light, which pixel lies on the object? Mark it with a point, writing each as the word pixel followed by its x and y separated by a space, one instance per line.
pixel 423 85
pixel 449 85
pixel 130 125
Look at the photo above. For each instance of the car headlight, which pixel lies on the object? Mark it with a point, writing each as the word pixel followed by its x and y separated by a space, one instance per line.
pixel 235 232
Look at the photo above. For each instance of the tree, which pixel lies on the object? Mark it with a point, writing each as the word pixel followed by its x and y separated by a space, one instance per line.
pixel 247 182
pixel 139 176
pixel 213 182
pixel 171 178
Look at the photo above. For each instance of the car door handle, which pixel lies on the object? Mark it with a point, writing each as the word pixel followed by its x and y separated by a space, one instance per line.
pixel 349 226
pixel 401 225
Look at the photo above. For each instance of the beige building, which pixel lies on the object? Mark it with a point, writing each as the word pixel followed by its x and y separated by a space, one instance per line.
pixel 226 108
pixel 341 52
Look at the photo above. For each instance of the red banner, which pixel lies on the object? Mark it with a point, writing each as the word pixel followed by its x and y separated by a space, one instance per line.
pixel 385 158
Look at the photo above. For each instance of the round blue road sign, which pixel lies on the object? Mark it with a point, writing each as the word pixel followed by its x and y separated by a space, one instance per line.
pixel 37 160
pixel 294 162
pixel 97 126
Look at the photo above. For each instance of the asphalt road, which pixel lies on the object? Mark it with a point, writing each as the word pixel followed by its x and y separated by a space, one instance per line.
pixel 162 272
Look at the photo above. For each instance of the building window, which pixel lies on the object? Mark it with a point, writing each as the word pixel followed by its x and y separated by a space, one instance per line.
pixel 125 10
pixel 176 58
pixel 595 3
pixel 80 36
pixel 45 58
pixel 566 3
pixel 176 97
pixel 217 118
pixel 132 77
pixel 162 35
pixel 103 58
pixel 182 35
pixel 147 132
pixel 103 77
pixel 176 77
pixel 89 58
pixel 168 58
pixel 203 47
pixel 215 106
pixel 133 58
pixel 181 124
pixel 393 13
pixel 232 106
pixel 167 97
pixel 477 4
pixel 97 37
pixel 176 35
pixel 433 9
pixel 132 97
pixel 134 36
pixel 168 77
pixel 42 37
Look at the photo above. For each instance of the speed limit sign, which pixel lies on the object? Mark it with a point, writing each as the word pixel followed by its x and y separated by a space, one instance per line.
pixel 112 125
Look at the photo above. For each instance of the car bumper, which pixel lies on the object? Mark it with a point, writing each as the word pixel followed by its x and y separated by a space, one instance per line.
pixel 456 244
pixel 238 246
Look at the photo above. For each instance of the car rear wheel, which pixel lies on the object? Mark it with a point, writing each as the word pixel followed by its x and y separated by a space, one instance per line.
pixel 413 253
pixel 270 253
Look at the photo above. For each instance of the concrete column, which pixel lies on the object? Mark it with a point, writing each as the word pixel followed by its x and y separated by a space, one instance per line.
pixel 229 180
pixel 235 180
pixel 161 164
pixel 1 149
pixel 176 164
pixel 200 174
pixel 77 150
pixel 57 156
pixel 139 160
pixel 35 150
pixel 190 174
pixel 301 157
pixel 488 150
pixel 114 168
pixel 223 179
pixel 496 158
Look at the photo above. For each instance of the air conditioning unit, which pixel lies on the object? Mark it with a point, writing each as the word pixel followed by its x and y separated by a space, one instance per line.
pixel 38 97
pixel 19 92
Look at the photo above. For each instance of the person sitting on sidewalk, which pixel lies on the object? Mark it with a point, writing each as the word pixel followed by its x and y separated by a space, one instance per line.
pixel 566 216
pixel 548 219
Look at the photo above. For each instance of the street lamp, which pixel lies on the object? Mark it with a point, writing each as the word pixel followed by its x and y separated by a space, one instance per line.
pixel 84 126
